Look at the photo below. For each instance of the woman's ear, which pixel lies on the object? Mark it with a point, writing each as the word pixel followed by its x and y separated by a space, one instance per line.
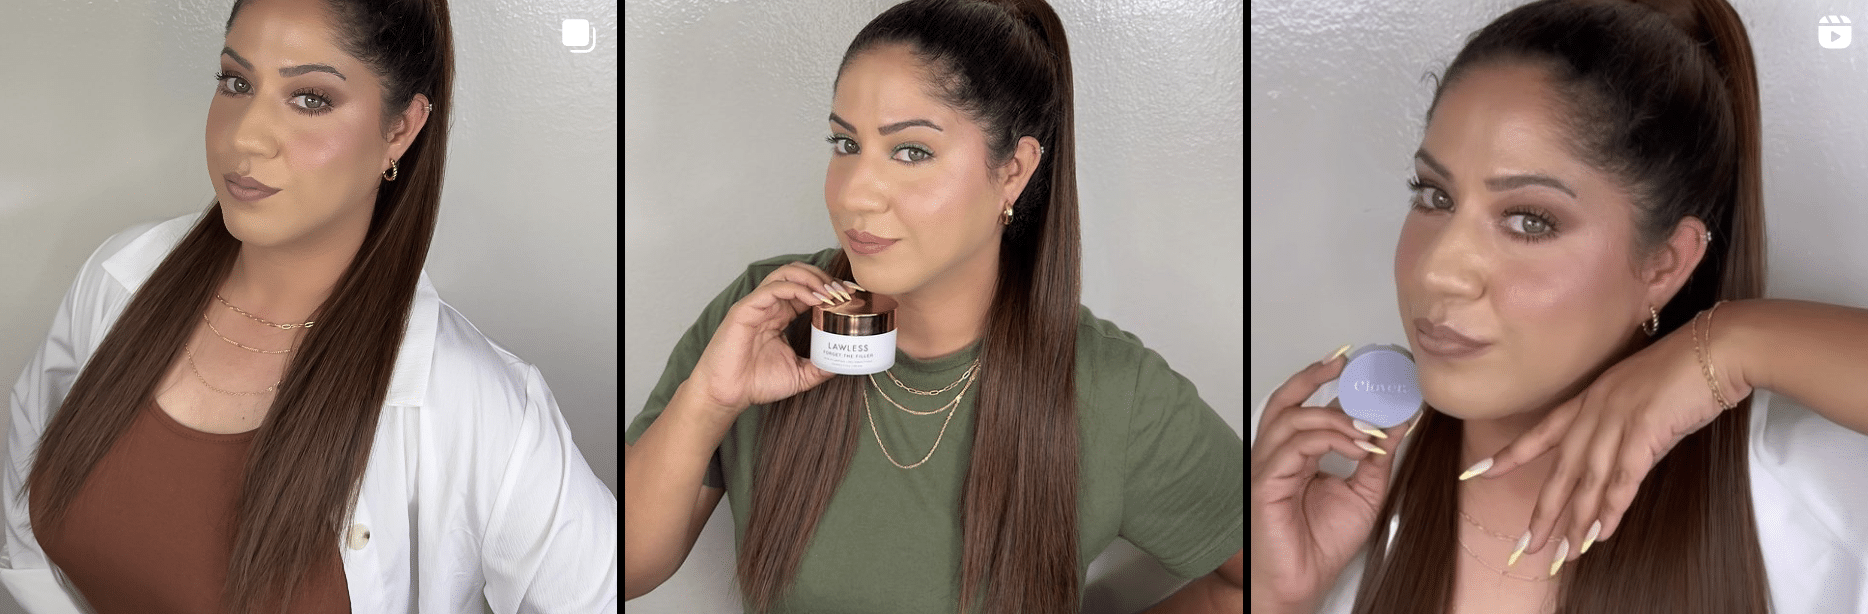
pixel 1674 264
pixel 1024 162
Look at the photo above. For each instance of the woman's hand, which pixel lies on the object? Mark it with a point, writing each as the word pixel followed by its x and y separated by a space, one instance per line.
pixel 748 361
pixel 1611 435
pixel 1306 525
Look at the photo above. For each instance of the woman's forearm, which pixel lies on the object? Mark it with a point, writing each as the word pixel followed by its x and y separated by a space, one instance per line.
pixel 1816 353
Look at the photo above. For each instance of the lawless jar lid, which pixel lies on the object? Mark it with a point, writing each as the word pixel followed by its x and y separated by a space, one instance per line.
pixel 864 314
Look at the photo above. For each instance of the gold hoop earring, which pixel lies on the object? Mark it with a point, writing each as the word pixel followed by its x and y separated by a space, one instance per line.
pixel 1007 220
pixel 1653 324
pixel 390 175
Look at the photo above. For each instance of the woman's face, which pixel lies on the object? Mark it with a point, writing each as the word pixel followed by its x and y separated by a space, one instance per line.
pixel 895 176
pixel 1525 248
pixel 285 117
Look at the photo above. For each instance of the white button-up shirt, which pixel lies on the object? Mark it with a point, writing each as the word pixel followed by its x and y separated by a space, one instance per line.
pixel 474 485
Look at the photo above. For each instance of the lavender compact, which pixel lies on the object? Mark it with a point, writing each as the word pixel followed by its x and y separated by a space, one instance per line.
pixel 1380 385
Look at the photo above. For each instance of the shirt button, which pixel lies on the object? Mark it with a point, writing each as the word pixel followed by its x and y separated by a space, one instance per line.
pixel 359 536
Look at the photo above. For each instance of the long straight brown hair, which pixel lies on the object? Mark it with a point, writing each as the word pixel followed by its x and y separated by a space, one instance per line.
pixel 1007 65
pixel 309 454
pixel 1664 97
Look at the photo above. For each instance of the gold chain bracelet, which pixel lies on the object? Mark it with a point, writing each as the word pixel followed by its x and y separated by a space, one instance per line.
pixel 1700 341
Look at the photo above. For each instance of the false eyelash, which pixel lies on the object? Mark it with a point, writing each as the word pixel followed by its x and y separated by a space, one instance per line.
pixel 324 101
pixel 925 154
pixel 1415 185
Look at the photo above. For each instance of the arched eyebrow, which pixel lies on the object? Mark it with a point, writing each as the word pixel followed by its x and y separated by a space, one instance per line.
pixel 288 72
pixel 1500 183
pixel 889 129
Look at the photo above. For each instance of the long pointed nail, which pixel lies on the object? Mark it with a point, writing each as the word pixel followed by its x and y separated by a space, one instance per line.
pixel 1476 469
pixel 1594 529
pixel 1563 550
pixel 853 285
pixel 821 299
pixel 1368 428
pixel 1523 542
pixel 1410 427
pixel 1338 352
pixel 1370 447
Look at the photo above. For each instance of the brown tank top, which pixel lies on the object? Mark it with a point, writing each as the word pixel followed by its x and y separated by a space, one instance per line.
pixel 148 531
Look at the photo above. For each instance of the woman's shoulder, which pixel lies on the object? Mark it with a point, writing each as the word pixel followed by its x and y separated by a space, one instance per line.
pixel 130 255
pixel 468 370
pixel 1111 355
pixel 1105 340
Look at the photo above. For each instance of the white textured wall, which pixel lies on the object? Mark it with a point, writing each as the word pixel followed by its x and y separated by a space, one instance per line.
pixel 725 159
pixel 1338 97
pixel 105 106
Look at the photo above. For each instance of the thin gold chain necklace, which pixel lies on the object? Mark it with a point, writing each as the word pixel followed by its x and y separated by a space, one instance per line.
pixel 885 397
pixel 929 393
pixel 1496 535
pixel 191 366
pixel 1550 599
pixel 217 333
pixel 937 439
pixel 190 351
pixel 260 319
pixel 1500 536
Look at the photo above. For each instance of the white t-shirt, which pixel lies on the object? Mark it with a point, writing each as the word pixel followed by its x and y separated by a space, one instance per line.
pixel 1808 490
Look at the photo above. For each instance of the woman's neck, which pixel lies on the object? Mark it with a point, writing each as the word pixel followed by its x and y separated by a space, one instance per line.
pixel 282 288
pixel 1485 438
pixel 949 312
pixel 1508 499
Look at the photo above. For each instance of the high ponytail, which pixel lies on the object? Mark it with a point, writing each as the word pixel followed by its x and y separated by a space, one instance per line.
pixel 1005 65
pixel 1717 26
pixel 1662 97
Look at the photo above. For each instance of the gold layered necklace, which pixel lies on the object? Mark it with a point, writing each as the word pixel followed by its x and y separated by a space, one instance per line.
pixel 1550 601
pixel 204 317
pixel 971 375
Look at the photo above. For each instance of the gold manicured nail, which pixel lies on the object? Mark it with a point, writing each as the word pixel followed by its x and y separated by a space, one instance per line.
pixel 1368 428
pixel 853 285
pixel 1476 469
pixel 1370 447
pixel 821 299
pixel 1563 550
pixel 1523 542
pixel 1410 427
pixel 1338 352
pixel 1594 529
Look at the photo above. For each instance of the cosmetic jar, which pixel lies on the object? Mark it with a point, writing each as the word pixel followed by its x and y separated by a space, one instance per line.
pixel 1380 385
pixel 855 337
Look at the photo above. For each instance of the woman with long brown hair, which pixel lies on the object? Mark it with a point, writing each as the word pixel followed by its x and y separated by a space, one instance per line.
pixel 1580 277
pixel 265 406
pixel 1015 436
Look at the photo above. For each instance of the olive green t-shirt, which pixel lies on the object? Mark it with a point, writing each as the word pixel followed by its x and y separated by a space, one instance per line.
pixel 1159 469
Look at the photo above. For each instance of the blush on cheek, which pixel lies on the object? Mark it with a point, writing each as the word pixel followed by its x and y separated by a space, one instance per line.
pixel 314 152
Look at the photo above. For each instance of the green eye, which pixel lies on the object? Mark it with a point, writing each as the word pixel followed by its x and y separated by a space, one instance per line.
pixel 912 150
